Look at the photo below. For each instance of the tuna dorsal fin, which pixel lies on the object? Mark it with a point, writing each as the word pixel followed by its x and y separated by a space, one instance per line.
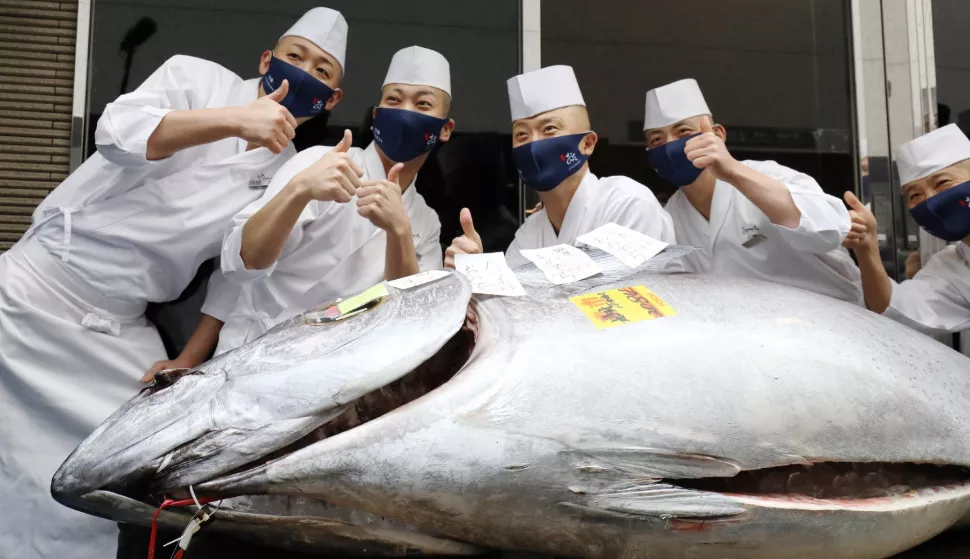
pixel 648 462
pixel 660 500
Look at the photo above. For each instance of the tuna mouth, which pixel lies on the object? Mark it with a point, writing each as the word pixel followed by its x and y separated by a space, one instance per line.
pixel 165 477
pixel 834 483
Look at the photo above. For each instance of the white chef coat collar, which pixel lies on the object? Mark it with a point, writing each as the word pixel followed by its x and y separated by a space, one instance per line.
pixel 721 203
pixel 374 169
pixel 577 209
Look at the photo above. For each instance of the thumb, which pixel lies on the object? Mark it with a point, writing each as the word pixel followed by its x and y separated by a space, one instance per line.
pixel 395 173
pixel 345 142
pixel 280 92
pixel 467 226
pixel 853 202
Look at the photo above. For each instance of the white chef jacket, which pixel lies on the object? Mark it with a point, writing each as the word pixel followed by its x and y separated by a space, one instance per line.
pixel 597 201
pixel 121 231
pixel 937 299
pixel 137 230
pixel 740 240
pixel 331 252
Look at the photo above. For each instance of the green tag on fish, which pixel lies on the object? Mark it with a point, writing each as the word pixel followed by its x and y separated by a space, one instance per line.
pixel 358 301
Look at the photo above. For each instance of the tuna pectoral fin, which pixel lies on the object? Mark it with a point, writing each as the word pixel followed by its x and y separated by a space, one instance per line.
pixel 661 501
pixel 650 463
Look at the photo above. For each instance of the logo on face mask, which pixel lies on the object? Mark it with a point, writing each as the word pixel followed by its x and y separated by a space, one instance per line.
pixel 536 161
pixel 404 134
pixel 965 202
pixel 307 95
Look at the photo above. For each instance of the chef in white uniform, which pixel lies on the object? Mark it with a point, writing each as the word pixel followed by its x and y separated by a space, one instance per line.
pixel 336 221
pixel 552 141
pixel 934 170
pixel 753 219
pixel 176 159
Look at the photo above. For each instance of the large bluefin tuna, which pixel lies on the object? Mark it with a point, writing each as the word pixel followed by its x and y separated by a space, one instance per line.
pixel 742 419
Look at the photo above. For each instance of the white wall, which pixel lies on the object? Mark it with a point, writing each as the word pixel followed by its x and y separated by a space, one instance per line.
pixel 480 40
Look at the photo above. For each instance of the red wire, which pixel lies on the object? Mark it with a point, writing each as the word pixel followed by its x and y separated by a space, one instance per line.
pixel 165 504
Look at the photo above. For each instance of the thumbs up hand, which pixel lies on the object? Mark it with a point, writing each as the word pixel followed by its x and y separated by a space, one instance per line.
pixel 864 234
pixel 469 243
pixel 266 123
pixel 381 202
pixel 335 177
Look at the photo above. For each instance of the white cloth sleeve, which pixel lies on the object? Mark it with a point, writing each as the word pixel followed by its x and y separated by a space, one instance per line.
pixel 430 256
pixel 181 83
pixel 930 302
pixel 221 296
pixel 232 263
pixel 825 220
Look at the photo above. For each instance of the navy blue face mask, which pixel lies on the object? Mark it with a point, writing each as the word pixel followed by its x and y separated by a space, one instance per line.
pixel 671 163
pixel 403 135
pixel 545 164
pixel 946 215
pixel 307 95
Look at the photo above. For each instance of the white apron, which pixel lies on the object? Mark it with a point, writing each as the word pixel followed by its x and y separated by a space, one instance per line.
pixel 54 391
pixel 73 338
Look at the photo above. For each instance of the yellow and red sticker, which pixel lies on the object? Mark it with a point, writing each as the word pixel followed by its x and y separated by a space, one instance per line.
pixel 625 305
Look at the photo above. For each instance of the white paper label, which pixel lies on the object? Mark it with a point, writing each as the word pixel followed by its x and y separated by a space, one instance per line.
pixel 631 247
pixel 563 263
pixel 420 278
pixel 489 274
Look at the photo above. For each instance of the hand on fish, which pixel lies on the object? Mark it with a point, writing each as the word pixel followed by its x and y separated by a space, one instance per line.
pixel 335 177
pixel 266 123
pixel 165 365
pixel 469 243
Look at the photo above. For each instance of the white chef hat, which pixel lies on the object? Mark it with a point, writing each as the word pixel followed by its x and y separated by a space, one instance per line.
pixel 863 148
pixel 930 153
pixel 326 29
pixel 673 103
pixel 539 91
pixel 419 66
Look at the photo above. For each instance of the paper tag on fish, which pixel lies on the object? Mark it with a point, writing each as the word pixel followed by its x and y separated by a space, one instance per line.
pixel 358 301
pixel 420 278
pixel 626 305
pixel 489 274
pixel 563 263
pixel 631 247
